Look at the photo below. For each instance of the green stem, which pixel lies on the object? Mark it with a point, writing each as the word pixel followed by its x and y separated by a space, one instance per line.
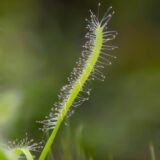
pixel 151 147
pixel 18 151
pixel 76 89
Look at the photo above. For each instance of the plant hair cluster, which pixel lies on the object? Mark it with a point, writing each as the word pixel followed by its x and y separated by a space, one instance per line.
pixel 24 145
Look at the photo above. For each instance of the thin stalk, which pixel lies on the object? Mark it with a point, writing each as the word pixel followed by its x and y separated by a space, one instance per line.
pixel 152 152
pixel 18 151
pixel 76 89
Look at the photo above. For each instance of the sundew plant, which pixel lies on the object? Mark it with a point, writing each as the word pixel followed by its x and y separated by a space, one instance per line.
pixel 89 67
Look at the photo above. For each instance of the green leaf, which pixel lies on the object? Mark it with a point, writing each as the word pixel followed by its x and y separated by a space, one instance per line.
pixel 5 154
pixel 98 35
pixel 2 155
pixel 18 151
pixel 151 147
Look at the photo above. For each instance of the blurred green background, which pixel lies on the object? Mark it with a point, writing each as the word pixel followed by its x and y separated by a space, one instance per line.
pixel 40 41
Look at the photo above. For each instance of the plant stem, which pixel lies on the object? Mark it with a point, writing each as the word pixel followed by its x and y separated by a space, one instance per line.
pixel 18 151
pixel 77 88
pixel 151 147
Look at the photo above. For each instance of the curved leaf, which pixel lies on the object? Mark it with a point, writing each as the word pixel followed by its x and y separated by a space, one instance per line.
pixel 18 151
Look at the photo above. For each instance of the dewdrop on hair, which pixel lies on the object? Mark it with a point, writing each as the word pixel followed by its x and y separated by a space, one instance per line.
pixel 89 67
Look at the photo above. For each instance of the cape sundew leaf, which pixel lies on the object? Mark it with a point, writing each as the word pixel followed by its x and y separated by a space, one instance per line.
pixel 89 67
